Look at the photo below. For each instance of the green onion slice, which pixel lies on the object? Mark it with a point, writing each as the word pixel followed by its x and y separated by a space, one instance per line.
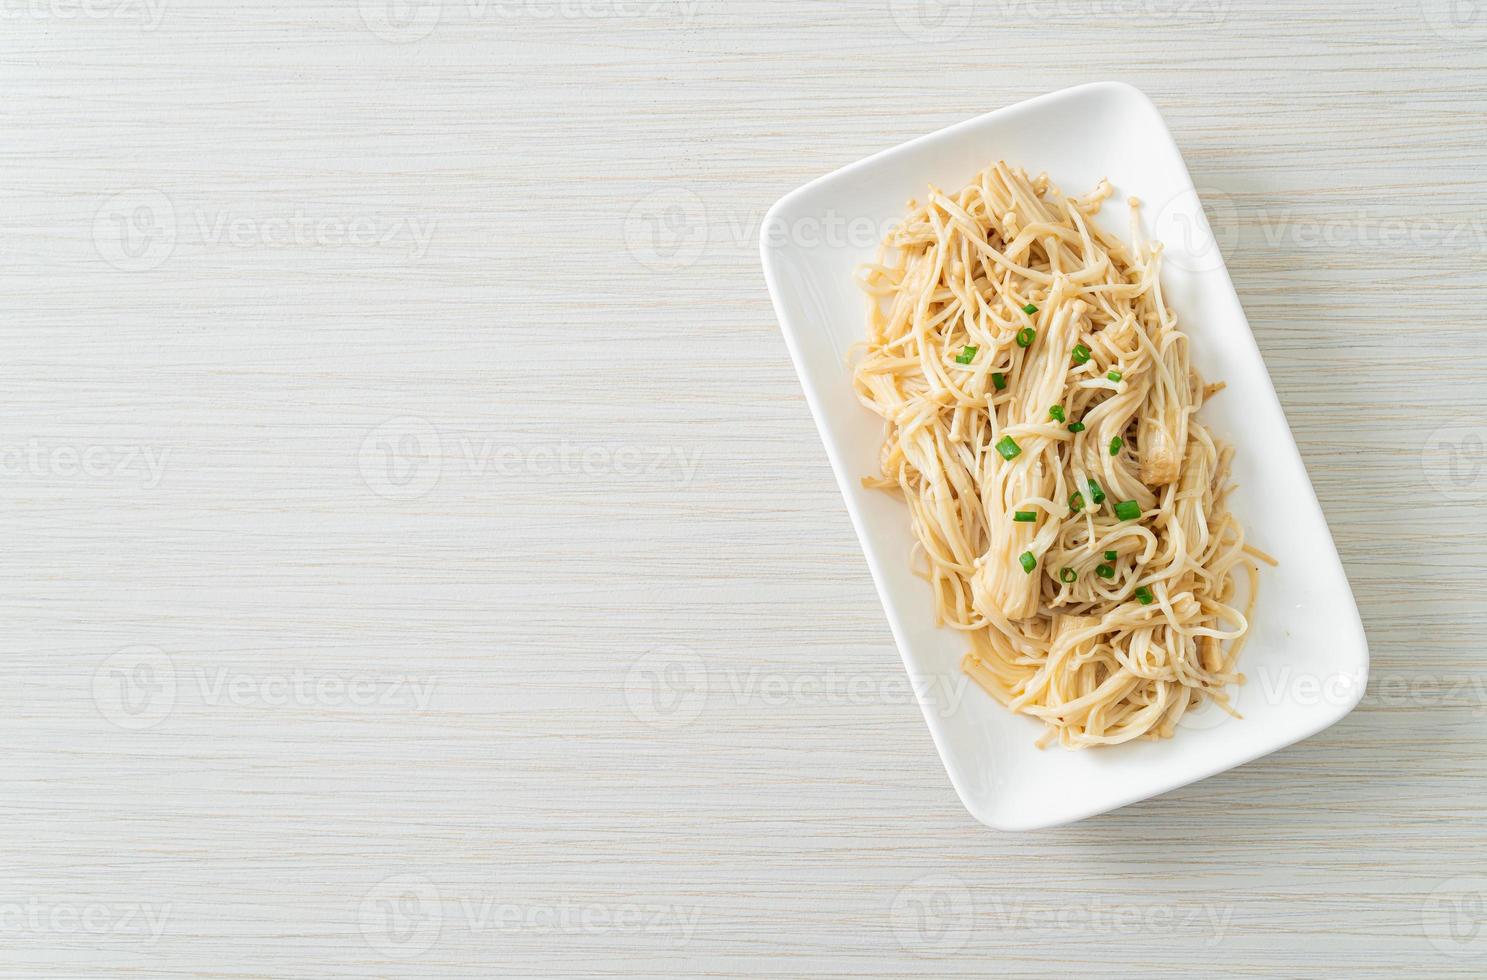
pixel 1056 413
pixel 1081 354
pixel 1028 561
pixel 1076 426
pixel 999 381
pixel 1113 375
pixel 1030 309
pixel 1144 594
pixel 1111 555
pixel 1025 516
pixel 1115 445
pixel 966 356
pixel 1008 447
pixel 1128 510
pixel 1076 501
pixel 1095 493
pixel 1026 336
pixel 1105 571
pixel 1067 575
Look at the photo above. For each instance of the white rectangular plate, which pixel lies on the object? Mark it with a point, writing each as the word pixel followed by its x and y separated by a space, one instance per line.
pixel 1306 659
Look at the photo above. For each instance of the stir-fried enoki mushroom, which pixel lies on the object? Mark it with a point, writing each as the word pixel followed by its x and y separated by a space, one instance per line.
pixel 1070 509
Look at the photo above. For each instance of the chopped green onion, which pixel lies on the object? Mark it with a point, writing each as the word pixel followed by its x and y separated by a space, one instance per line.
pixel 1081 354
pixel 1111 555
pixel 1076 426
pixel 1115 445
pixel 1026 336
pixel 1025 516
pixel 1128 510
pixel 1095 493
pixel 1105 571
pixel 1076 502
pixel 1067 575
pixel 966 356
pixel 999 381
pixel 1056 413
pixel 1008 447
pixel 1113 375
pixel 1028 561
pixel 1030 309
pixel 1144 594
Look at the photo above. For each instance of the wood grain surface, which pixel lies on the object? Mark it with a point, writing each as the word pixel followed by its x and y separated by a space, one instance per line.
pixel 419 560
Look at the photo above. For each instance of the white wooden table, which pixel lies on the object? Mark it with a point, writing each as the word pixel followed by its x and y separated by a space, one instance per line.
pixel 419 560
